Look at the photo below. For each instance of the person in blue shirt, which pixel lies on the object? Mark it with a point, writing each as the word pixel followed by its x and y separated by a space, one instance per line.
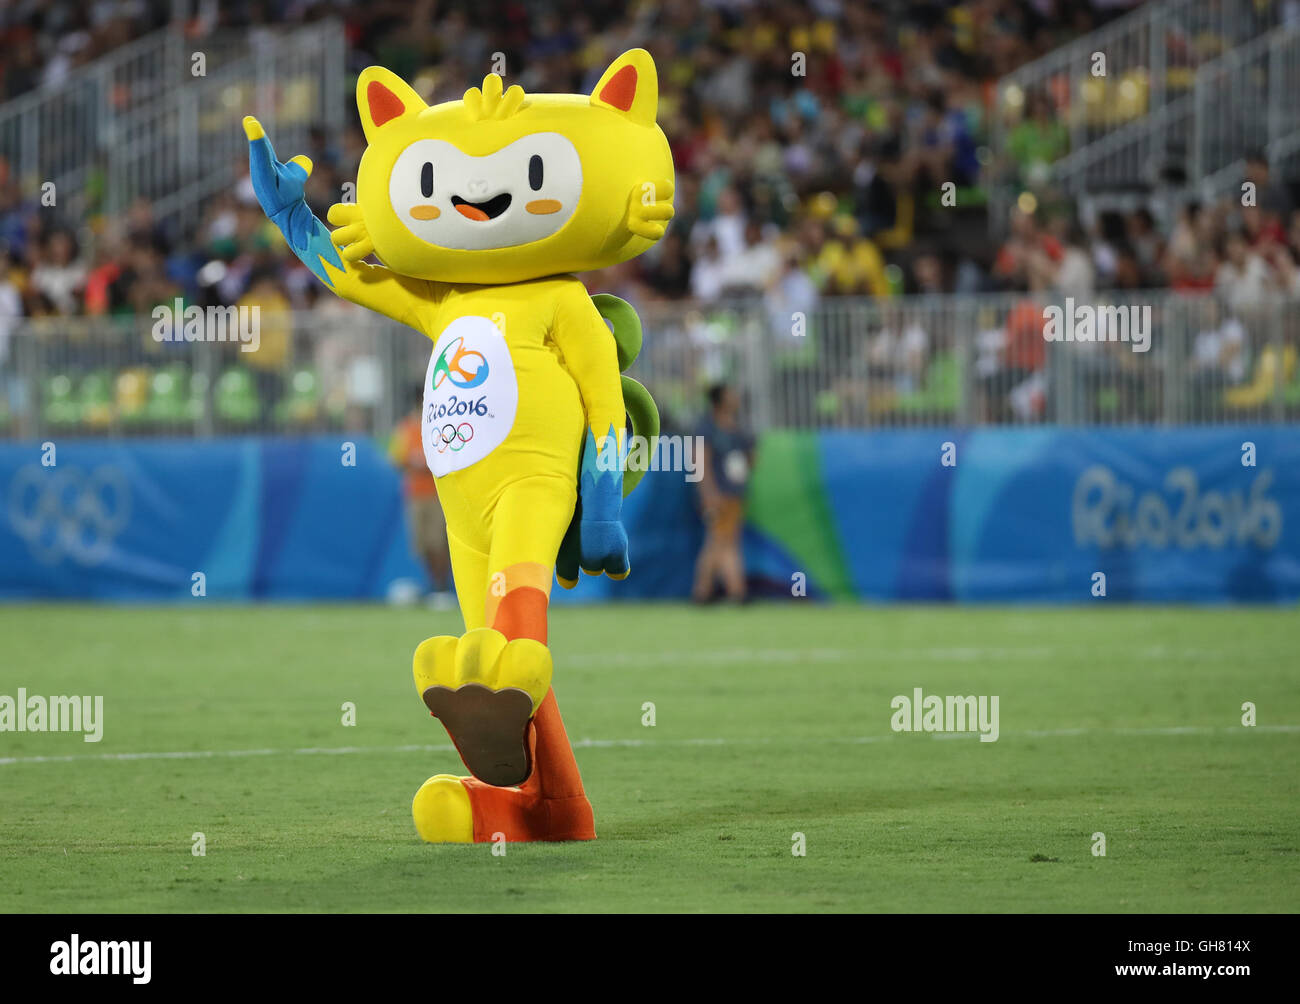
pixel 728 456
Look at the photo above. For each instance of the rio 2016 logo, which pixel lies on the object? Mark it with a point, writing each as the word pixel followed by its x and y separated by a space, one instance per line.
pixel 451 366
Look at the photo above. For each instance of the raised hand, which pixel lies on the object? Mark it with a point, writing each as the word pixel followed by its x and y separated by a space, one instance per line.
pixel 277 186
pixel 279 190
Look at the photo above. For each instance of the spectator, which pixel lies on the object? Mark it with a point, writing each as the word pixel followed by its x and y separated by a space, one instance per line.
pixel 58 275
pixel 1218 359
pixel 425 520
pixel 271 360
pixel 754 266
pixel 1243 277
pixel 728 455
pixel 1038 141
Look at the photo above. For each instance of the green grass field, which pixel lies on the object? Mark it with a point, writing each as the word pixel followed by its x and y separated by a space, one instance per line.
pixel 771 720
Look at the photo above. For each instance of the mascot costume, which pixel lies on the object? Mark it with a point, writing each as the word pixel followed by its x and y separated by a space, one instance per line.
pixel 480 210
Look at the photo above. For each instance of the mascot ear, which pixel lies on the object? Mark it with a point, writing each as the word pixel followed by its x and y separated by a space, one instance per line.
pixel 630 86
pixel 384 97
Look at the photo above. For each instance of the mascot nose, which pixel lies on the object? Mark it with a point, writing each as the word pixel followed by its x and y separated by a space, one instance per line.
pixel 477 187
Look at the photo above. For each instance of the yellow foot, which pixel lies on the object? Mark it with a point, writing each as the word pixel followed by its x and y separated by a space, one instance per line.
pixel 442 811
pixel 485 690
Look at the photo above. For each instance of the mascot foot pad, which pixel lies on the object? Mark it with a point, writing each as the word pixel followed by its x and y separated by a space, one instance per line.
pixel 485 689
pixel 489 728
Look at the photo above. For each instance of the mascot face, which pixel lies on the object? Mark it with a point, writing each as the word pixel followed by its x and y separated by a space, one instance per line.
pixel 504 187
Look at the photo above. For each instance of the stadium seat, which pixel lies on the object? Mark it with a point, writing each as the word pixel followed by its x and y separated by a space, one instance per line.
pixel 60 408
pixel 1262 385
pixel 302 403
pixel 169 402
pixel 236 400
pixel 194 403
pixel 942 390
pixel 131 392
pixel 96 404
pixel 1291 392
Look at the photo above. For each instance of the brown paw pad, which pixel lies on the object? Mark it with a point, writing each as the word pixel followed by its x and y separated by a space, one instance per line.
pixel 489 728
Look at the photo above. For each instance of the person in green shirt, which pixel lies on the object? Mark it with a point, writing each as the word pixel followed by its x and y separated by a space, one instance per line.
pixel 1038 141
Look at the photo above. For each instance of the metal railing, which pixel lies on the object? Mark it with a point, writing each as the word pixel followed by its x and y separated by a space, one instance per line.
pixel 142 122
pixel 1245 102
pixel 1157 112
pixel 1239 104
pixel 848 363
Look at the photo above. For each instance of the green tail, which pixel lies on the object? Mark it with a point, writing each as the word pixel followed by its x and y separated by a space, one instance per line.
pixel 641 410
pixel 642 413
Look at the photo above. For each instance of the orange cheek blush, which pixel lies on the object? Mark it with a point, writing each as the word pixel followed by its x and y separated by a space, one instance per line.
pixel 543 207
pixel 426 212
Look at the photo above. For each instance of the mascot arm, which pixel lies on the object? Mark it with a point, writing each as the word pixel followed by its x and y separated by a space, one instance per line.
pixel 279 190
pixel 591 358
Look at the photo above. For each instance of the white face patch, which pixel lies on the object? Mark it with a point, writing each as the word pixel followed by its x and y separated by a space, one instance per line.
pixel 520 194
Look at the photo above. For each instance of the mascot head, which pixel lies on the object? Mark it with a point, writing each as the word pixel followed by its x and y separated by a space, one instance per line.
pixel 502 186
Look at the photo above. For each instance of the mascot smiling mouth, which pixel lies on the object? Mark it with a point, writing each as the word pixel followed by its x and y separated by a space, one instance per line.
pixel 489 210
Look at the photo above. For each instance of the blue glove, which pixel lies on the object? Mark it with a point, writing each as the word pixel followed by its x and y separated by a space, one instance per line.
pixel 602 541
pixel 279 191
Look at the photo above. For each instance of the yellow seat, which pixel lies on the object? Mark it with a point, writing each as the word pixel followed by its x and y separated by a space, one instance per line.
pixel 1264 383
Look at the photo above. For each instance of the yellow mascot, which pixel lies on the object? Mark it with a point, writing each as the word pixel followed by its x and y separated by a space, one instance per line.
pixel 480 210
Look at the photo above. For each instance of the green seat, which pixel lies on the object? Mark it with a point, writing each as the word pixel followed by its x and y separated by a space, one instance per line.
pixel 60 407
pixel 169 396
pixel 96 399
pixel 301 404
pixel 942 390
pixel 194 401
pixel 235 400
pixel 827 405
pixel 1291 392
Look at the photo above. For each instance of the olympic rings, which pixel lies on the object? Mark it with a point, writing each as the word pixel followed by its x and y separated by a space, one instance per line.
pixel 63 512
pixel 454 437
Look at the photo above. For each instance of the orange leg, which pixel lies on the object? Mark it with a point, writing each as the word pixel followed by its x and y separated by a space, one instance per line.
pixel 550 805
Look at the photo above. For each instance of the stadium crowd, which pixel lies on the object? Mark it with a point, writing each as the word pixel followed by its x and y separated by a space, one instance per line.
pixel 797 177
pixel 810 142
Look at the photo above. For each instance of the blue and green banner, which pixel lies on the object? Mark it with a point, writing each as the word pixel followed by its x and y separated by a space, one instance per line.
pixel 1196 514
pixel 1006 515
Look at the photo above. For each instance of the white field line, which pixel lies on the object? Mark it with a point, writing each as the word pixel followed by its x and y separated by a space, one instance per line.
pixel 1184 730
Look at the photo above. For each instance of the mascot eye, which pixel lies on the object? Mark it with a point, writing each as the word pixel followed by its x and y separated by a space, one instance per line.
pixel 426 180
pixel 535 172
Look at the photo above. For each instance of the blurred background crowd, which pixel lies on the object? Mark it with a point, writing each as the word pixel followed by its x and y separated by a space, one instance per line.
pixel 823 148
pixel 795 177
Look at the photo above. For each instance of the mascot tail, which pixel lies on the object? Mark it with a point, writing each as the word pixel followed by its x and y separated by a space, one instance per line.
pixel 642 413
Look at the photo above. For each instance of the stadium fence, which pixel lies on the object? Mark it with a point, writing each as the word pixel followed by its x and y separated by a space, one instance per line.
pixel 1188 89
pixel 846 363
pixel 152 120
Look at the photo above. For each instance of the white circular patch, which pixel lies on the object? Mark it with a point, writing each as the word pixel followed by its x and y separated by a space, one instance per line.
pixel 736 466
pixel 470 395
